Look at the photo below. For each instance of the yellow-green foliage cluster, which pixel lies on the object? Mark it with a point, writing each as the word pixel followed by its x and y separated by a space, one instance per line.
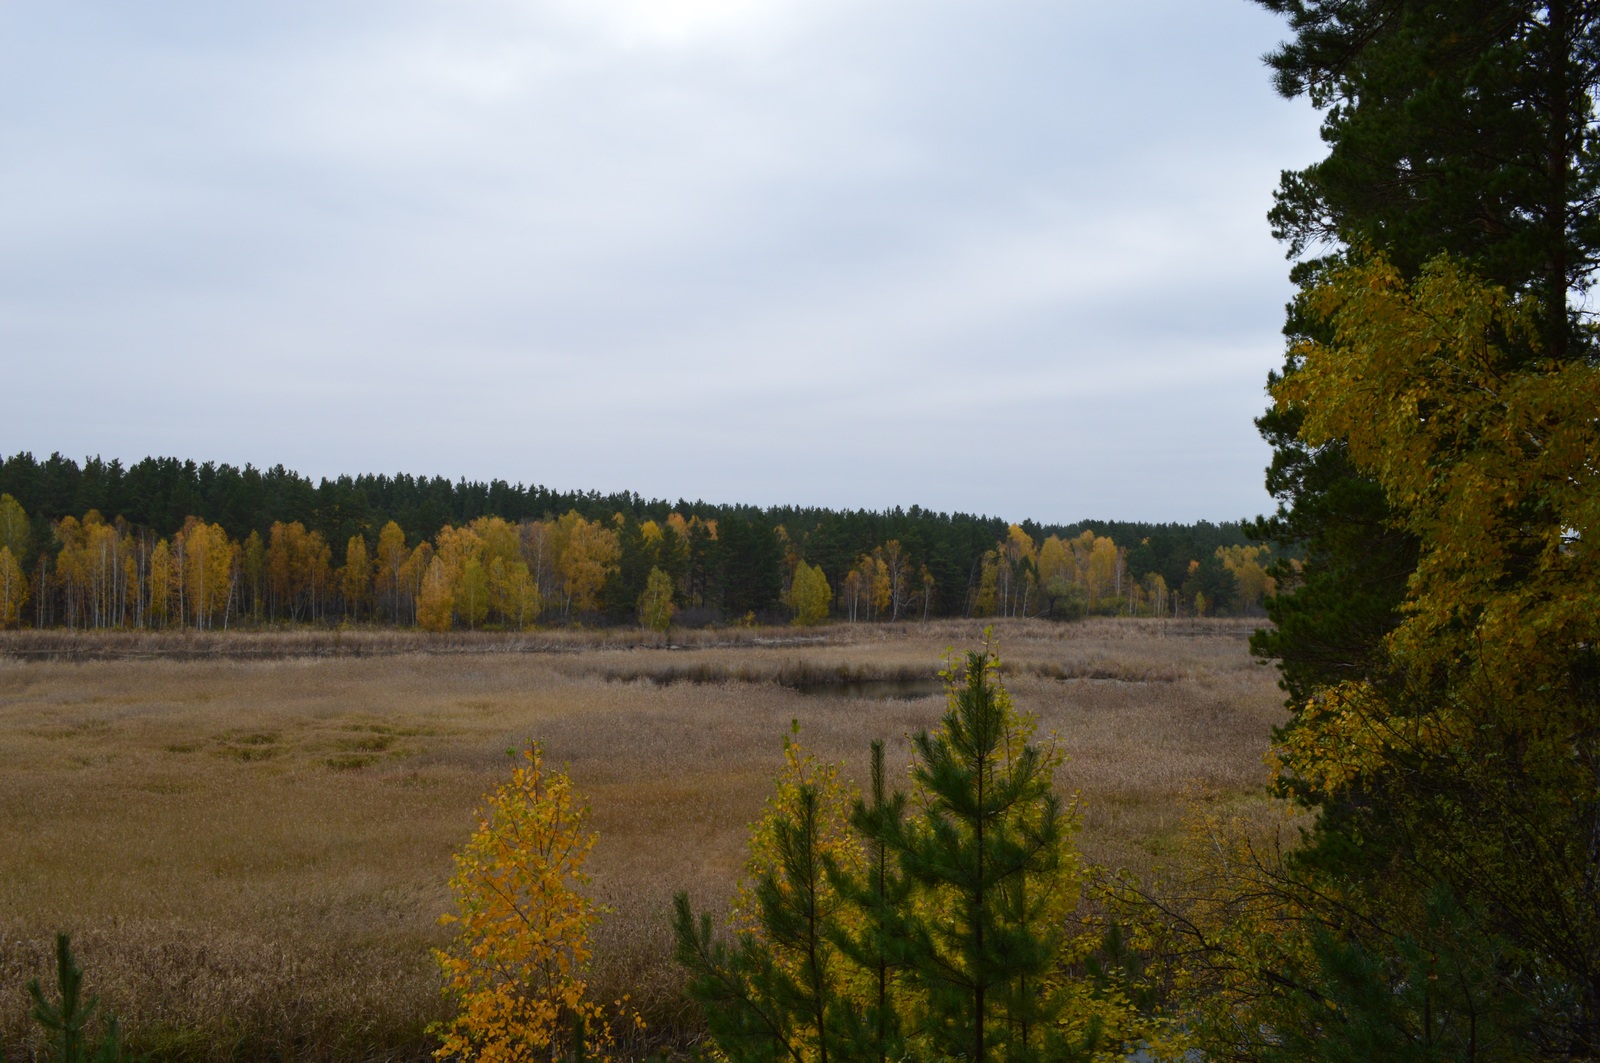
pixel 1489 456
pixel 1445 895
pixel 515 968
pixel 809 594
pixel 836 841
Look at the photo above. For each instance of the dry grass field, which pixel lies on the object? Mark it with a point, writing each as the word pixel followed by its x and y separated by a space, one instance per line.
pixel 249 835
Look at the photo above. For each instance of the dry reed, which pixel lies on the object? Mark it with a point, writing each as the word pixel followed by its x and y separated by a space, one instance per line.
pixel 251 846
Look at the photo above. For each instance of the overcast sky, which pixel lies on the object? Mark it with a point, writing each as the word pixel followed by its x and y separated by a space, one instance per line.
pixel 1007 257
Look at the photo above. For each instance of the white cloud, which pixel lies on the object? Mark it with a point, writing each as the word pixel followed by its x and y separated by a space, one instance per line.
pixel 726 248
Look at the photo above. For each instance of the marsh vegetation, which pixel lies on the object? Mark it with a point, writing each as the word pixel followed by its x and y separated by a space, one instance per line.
pixel 252 852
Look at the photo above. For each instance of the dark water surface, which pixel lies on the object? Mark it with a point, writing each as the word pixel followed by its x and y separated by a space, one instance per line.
pixel 875 689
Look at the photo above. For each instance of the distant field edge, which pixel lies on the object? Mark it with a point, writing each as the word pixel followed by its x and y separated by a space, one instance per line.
pixel 59 644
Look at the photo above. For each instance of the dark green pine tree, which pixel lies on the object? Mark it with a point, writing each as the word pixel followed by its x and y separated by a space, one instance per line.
pixel 949 933
pixel 626 582
pixel 1453 126
pixel 1434 996
pixel 750 565
pixel 774 997
pixel 67 1020
pixel 989 851
pixel 1459 127
pixel 882 895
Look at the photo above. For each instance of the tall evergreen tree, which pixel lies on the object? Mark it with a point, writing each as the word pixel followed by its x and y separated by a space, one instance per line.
pixel 1453 126
pixel 990 852
pixel 750 565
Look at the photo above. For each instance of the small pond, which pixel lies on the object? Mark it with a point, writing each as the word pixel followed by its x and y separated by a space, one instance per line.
pixel 875 689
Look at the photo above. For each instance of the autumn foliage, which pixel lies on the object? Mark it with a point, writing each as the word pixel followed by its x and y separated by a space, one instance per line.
pixel 516 967
pixel 809 594
pixel 344 560
pixel 1443 903
pixel 491 572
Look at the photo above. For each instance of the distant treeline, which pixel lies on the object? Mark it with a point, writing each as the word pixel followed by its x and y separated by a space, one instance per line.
pixel 100 544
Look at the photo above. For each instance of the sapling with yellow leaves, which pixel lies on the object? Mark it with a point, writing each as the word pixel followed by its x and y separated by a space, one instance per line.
pixel 515 969
pixel 655 603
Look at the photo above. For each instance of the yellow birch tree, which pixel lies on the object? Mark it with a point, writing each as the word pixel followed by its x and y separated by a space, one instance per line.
pixel 413 574
pixel 865 589
pixel 391 559
pixel 592 551
pixel 498 539
pixel 161 581
pixel 513 594
pixel 472 593
pixel 71 566
pixel 207 571
pixel 809 595
pixel 515 969
pixel 355 578
pixel 1245 563
pixel 436 598
pixel 253 570
pixel 13 588
pixel 897 571
pixel 655 604
pixel 15 532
